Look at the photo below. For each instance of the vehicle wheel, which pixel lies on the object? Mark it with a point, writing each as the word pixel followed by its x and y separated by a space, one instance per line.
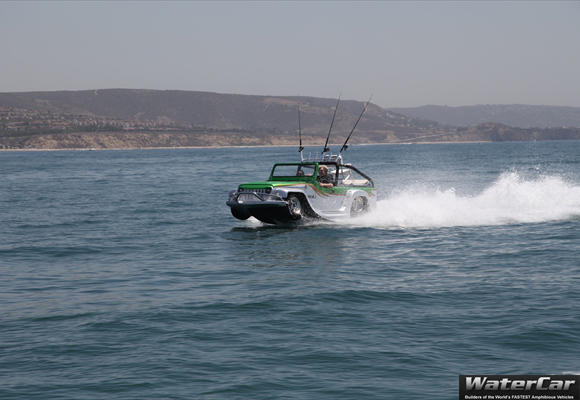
pixel 239 214
pixel 359 206
pixel 295 207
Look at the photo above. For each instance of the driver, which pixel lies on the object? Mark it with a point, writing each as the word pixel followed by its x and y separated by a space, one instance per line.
pixel 324 178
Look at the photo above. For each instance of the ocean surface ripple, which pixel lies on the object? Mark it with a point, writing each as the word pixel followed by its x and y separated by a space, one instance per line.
pixel 125 276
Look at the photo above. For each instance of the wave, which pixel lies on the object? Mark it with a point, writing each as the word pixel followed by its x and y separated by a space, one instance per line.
pixel 510 199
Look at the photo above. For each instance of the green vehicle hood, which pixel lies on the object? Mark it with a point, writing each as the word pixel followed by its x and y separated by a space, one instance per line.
pixel 337 190
pixel 270 184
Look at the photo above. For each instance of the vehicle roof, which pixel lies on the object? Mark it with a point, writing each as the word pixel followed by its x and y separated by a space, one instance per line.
pixel 311 163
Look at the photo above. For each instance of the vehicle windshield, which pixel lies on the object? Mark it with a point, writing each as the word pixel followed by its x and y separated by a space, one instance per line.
pixel 293 170
pixel 347 176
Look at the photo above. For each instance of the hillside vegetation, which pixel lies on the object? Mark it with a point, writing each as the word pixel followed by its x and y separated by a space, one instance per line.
pixel 515 115
pixel 126 118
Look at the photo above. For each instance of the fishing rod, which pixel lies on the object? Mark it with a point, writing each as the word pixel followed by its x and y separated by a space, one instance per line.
pixel 345 146
pixel 299 132
pixel 331 123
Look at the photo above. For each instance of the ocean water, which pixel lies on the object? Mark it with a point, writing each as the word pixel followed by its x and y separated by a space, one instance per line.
pixel 124 276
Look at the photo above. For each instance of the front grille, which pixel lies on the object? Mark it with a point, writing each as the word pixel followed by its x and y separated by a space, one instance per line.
pixel 259 191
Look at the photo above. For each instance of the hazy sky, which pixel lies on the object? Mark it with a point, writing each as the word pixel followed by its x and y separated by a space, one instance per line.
pixel 405 53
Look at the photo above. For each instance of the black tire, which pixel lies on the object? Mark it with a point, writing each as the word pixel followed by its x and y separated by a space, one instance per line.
pixel 359 207
pixel 296 207
pixel 240 214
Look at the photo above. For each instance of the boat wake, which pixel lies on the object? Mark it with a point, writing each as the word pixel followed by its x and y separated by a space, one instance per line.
pixel 508 200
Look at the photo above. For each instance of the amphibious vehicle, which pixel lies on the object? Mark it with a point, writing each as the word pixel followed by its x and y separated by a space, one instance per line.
pixel 319 187
pixel 293 192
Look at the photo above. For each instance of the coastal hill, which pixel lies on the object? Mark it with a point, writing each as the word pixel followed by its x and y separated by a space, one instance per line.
pixel 127 118
pixel 516 115
pixel 215 110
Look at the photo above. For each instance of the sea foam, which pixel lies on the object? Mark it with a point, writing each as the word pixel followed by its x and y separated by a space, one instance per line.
pixel 510 199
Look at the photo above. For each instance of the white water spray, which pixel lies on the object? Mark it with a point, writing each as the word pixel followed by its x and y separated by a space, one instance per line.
pixel 510 199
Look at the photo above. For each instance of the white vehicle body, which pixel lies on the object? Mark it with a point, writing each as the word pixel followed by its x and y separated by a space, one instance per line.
pixel 294 193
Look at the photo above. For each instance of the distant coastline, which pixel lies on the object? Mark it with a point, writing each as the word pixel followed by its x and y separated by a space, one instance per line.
pixel 152 140
pixel 239 147
pixel 148 119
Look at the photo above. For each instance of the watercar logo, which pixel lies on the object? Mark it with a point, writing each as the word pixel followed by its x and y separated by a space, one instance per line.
pixel 519 387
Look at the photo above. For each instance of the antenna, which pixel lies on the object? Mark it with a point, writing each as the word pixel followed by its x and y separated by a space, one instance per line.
pixel 345 146
pixel 299 131
pixel 331 123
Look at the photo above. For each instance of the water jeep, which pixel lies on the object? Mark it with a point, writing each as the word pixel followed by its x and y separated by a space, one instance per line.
pixel 293 193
